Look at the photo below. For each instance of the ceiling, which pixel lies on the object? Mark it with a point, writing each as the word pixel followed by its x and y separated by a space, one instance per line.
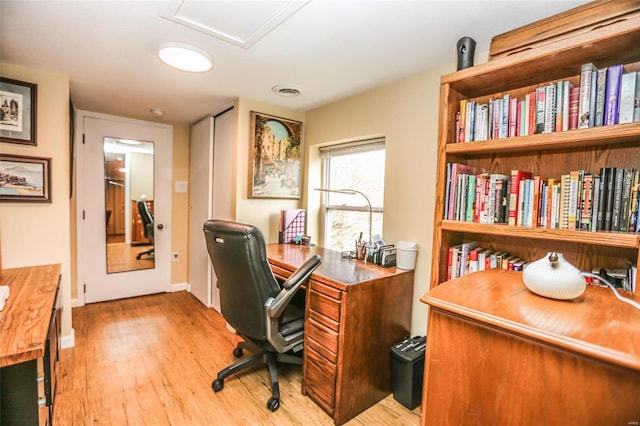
pixel 329 49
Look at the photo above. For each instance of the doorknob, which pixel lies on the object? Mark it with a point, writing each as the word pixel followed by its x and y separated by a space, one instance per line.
pixel 160 226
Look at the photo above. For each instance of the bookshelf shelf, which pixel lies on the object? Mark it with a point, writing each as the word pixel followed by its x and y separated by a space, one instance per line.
pixel 560 141
pixel 549 155
pixel 609 239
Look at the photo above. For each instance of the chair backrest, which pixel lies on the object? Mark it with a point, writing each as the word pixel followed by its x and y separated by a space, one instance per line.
pixel 147 219
pixel 239 256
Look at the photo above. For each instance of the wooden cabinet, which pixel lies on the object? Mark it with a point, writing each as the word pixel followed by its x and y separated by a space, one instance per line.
pixel 29 344
pixel 354 313
pixel 548 154
pixel 137 227
pixel 500 354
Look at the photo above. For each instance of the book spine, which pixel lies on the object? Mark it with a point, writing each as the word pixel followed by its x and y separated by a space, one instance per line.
pixel 563 218
pixel 573 200
pixel 608 209
pixel 617 199
pixel 627 97
pixel 596 203
pixel 635 199
pixel 592 98
pixel 514 194
pixel 540 109
pixel 531 117
pixel 626 199
pixel 513 117
pixel 559 103
pixel 586 202
pixel 585 95
pixel 602 199
pixel 614 78
pixel 550 108
pixel 601 84
pixel 565 105
pixel 574 102
pixel 463 121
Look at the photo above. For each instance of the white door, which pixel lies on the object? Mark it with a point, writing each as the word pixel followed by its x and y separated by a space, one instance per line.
pixel 210 195
pixel 97 281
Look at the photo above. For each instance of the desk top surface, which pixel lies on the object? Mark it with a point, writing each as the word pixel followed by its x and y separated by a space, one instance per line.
pixel 334 268
pixel 24 321
pixel 595 324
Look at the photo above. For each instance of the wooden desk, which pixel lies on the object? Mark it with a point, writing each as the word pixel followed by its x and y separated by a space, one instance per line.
pixel 354 314
pixel 499 354
pixel 29 330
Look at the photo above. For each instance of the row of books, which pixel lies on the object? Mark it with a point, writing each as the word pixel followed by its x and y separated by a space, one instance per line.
pixel 469 257
pixel 578 200
pixel 605 97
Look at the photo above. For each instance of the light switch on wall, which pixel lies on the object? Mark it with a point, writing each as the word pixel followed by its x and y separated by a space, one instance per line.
pixel 181 186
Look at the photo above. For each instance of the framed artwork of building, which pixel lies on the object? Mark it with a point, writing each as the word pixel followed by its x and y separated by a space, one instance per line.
pixel 275 157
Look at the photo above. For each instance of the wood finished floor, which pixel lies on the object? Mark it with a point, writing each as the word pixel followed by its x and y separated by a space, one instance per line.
pixel 150 361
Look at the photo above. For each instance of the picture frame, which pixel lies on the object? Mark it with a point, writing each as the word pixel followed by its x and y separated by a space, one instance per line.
pixel 25 179
pixel 275 157
pixel 18 102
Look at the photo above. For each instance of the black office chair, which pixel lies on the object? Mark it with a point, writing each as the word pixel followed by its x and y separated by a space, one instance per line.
pixel 147 224
pixel 254 303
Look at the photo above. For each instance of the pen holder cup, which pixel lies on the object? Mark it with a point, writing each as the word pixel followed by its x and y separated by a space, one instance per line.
pixel 360 251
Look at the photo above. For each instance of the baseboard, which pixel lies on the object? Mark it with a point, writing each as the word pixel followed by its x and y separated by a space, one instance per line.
pixel 69 340
pixel 76 303
pixel 178 287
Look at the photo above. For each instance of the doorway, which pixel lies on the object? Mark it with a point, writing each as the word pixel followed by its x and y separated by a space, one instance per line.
pixel 123 207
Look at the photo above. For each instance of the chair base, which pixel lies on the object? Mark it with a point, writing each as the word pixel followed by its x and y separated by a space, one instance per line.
pixel 149 252
pixel 262 356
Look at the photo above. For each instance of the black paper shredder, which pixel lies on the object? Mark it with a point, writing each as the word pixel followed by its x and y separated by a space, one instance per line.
pixel 407 371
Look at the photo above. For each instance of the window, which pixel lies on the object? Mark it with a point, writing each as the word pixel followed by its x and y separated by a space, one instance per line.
pixel 358 166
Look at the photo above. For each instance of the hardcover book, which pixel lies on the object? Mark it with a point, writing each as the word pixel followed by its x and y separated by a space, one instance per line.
pixel 612 101
pixel 627 97
pixel 540 109
pixel 514 194
pixel 584 104
pixel 601 84
pixel 574 101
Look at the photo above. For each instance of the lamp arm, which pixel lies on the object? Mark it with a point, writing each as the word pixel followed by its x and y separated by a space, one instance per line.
pixel 370 211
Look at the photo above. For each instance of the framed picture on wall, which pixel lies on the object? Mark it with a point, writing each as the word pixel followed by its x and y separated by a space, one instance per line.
pixel 17 111
pixel 25 179
pixel 275 157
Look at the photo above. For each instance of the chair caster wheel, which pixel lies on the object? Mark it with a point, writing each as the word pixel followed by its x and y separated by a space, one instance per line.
pixel 273 404
pixel 217 385
pixel 237 352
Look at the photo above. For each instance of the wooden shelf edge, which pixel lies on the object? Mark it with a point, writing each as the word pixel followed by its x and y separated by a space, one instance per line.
pixel 600 238
pixel 616 134
pixel 564 48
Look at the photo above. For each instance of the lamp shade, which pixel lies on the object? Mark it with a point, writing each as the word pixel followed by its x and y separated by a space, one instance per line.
pixel 554 277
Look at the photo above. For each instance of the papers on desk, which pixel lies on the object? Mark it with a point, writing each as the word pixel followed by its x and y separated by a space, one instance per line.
pixel 4 295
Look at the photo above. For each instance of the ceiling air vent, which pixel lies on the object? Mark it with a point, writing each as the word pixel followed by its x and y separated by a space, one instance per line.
pixel 287 91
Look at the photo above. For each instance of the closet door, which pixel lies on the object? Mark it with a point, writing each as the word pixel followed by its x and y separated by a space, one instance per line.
pixel 211 191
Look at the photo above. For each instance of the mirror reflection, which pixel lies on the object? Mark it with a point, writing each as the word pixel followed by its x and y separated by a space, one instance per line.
pixel 128 187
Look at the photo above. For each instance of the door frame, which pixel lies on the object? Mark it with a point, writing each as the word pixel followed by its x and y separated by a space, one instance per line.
pixel 163 256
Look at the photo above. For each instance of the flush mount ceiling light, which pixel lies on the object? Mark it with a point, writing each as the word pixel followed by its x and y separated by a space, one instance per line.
pixel 185 57
pixel 287 90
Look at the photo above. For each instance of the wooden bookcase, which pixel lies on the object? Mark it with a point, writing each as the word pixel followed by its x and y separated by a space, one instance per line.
pixel 549 155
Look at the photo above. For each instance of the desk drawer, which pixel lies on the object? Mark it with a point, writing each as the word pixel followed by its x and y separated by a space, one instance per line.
pixel 325 339
pixel 280 273
pixel 325 305
pixel 320 380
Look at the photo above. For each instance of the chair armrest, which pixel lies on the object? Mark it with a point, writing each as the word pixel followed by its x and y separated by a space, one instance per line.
pixel 275 306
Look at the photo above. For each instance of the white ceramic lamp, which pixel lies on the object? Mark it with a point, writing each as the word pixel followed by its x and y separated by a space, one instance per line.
pixel 554 277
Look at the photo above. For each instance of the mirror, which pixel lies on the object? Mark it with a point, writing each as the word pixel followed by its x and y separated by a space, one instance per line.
pixel 128 190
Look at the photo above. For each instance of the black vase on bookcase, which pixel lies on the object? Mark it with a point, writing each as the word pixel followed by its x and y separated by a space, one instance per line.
pixel 466 48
